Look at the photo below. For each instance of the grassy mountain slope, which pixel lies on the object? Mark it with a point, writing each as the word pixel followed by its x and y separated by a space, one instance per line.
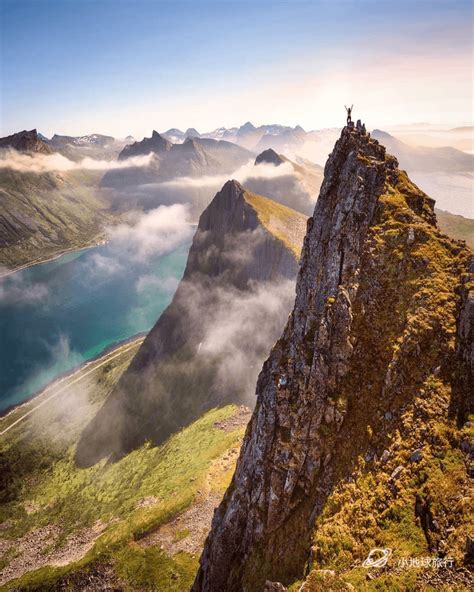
pixel 65 528
pixel 456 227
pixel 283 223
pixel 42 215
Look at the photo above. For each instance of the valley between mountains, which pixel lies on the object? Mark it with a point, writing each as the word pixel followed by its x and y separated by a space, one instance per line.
pixel 305 397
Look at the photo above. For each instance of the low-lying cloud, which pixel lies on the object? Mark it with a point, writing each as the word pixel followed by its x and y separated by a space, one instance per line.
pixel 244 327
pixel 150 282
pixel 50 163
pixel 156 232
pixel 15 288
pixel 249 170
pixel 280 183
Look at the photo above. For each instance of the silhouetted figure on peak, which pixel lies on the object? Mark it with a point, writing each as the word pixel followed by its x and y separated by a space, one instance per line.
pixel 349 113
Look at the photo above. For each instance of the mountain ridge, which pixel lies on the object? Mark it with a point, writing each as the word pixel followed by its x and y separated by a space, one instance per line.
pixel 347 377
pixel 426 159
pixel 26 141
pixel 244 244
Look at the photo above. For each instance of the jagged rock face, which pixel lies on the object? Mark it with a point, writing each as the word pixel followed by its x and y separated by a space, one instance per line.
pixel 375 312
pixel 197 356
pixel 156 144
pixel 25 141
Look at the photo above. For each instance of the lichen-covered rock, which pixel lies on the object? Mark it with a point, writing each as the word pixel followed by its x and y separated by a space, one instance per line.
pixel 371 334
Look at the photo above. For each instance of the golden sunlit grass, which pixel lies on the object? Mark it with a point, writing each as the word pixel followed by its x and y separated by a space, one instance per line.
pixel 284 223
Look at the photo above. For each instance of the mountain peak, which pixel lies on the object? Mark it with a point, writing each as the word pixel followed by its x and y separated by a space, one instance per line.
pixel 232 185
pixel 269 156
pixel 247 127
pixel 369 341
pixel 25 141
pixel 156 144
pixel 173 131
pixel 241 239
pixel 192 132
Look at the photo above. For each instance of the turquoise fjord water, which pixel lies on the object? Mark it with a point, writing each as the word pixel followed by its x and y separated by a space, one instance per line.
pixel 56 315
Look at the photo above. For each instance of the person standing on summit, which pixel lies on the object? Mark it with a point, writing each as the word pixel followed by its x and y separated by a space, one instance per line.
pixel 349 112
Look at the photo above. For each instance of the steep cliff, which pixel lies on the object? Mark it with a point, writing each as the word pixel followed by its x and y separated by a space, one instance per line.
pixel 358 437
pixel 207 347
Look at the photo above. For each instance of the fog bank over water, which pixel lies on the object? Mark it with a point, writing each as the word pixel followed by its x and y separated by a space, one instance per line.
pixel 56 315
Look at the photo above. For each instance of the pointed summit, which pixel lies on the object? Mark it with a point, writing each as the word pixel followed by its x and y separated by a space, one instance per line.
pixel 368 367
pixel 156 144
pixel 269 156
pixel 246 128
pixel 26 141
pixel 191 132
pixel 242 240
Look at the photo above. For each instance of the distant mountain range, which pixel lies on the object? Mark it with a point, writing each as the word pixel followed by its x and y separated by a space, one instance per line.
pixel 189 170
pixel 313 145
pixel 42 214
pixel 193 158
pixel 95 146
pixel 253 138
pixel 426 159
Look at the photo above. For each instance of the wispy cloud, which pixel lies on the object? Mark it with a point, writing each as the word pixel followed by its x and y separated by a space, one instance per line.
pixel 152 282
pixel 16 288
pixel 46 163
pixel 156 232
pixel 249 170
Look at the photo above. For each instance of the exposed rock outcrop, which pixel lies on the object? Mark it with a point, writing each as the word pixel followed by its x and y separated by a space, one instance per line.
pixel 156 144
pixel 269 156
pixel 25 141
pixel 366 368
pixel 206 348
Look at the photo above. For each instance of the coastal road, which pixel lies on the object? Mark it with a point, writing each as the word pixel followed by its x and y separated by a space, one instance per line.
pixel 80 374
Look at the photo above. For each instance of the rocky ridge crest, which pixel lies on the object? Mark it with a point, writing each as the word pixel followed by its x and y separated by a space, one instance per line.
pixel 26 141
pixel 366 376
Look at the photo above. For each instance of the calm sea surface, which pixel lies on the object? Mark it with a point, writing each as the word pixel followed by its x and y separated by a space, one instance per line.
pixel 56 315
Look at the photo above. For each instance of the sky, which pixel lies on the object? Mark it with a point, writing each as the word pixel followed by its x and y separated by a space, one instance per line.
pixel 125 67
